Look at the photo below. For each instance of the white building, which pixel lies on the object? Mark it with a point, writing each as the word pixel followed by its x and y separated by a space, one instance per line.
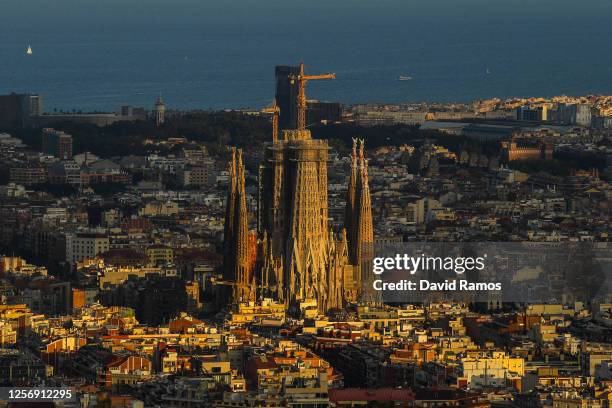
pixel 490 369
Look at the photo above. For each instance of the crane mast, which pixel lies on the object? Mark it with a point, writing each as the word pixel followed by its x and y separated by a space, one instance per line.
pixel 301 80
pixel 274 110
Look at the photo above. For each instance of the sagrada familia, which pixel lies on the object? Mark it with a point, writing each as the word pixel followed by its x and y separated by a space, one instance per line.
pixel 294 256
pixel 297 258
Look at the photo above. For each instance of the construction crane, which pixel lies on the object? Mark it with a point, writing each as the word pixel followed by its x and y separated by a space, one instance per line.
pixel 302 79
pixel 275 111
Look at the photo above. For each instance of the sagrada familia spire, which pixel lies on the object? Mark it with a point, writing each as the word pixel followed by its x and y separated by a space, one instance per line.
pixel 358 214
pixel 236 250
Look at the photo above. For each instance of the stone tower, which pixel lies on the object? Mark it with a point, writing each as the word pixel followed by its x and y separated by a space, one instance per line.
pixel 236 259
pixel 228 228
pixel 303 262
pixel 349 211
pixel 160 111
pixel 358 214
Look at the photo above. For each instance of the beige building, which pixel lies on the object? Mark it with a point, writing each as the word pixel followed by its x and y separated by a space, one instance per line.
pixel 489 369
pixel 8 336
pixel 573 400
pixel 158 208
pixel 198 176
pixel 112 276
pixel 543 333
pixel 81 246
pixel 160 254
pixel 246 312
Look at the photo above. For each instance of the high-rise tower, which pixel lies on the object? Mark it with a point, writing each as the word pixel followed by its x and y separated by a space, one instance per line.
pixel 286 96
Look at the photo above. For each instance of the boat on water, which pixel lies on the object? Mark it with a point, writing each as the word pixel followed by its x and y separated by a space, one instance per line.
pixel 404 78
pixel 29 50
pixel 488 71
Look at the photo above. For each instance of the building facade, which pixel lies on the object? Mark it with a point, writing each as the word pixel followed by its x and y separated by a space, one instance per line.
pixel 511 151
pixel 85 245
pixel 57 143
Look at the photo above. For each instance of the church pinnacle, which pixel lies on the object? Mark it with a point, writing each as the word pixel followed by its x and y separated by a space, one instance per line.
pixel 358 214
pixel 236 251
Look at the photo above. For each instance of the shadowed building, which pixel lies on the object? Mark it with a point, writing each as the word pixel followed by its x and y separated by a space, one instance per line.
pixel 17 109
pixel 323 112
pixel 286 96
pixel 57 143
pixel 287 99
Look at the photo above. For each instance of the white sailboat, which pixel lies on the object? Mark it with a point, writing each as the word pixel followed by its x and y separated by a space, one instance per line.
pixel 29 50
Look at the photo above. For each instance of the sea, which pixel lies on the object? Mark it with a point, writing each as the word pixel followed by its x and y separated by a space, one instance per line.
pixel 90 55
